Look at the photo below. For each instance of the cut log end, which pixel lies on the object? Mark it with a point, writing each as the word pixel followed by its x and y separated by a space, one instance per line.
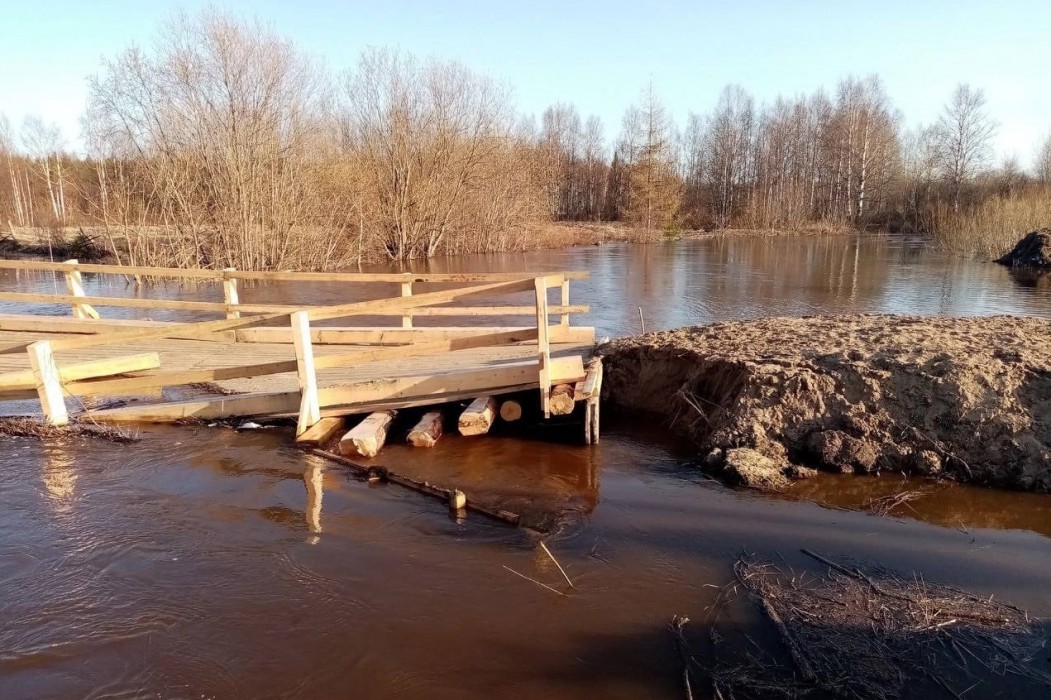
pixel 561 402
pixel 478 417
pixel 510 411
pixel 367 437
pixel 427 431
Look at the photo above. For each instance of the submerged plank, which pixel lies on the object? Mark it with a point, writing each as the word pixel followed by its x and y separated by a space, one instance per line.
pixel 322 431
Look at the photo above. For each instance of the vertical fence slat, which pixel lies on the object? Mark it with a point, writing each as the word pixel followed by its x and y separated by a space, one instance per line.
pixel 309 406
pixel 75 286
pixel 230 293
pixel 543 345
pixel 564 320
pixel 406 291
pixel 48 382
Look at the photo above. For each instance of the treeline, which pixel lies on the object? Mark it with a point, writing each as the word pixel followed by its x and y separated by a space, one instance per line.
pixel 226 145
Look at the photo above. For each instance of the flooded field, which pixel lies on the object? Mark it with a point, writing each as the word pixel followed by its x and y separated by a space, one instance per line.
pixel 206 563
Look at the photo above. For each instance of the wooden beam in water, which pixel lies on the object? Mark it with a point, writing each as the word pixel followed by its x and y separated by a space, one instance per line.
pixel 478 417
pixel 75 286
pixel 322 431
pixel 427 431
pixel 309 408
pixel 368 436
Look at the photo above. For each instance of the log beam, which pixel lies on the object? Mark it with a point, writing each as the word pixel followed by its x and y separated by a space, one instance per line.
pixel 367 437
pixel 427 431
pixel 478 417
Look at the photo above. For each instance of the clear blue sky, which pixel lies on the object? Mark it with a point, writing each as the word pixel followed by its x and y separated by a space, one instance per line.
pixel 597 54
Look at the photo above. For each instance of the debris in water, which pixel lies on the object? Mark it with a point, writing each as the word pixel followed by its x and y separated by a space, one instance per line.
pixel 249 425
pixel 862 631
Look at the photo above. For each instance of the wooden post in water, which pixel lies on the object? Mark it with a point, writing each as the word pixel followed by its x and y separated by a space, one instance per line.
pixel 543 344
pixel 230 293
pixel 75 285
pixel 406 291
pixel 48 383
pixel 310 405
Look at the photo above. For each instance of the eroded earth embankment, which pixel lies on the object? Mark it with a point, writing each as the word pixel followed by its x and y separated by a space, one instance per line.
pixel 765 401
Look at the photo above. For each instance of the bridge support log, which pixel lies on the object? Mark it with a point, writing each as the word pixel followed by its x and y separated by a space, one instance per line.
pixel 427 431
pixel 510 411
pixel 368 436
pixel 561 400
pixel 478 417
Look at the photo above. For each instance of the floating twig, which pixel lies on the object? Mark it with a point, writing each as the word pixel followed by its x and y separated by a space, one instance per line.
pixel 564 575
pixel 542 585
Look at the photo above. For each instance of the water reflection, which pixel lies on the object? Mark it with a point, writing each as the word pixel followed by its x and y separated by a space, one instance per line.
pixel 312 479
pixel 59 476
pixel 676 283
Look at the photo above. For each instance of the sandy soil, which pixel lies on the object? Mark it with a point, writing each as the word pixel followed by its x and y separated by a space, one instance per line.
pixel 961 398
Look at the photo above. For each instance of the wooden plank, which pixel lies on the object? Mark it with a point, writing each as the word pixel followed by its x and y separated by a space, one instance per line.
pixel 406 291
pixel 567 369
pixel 543 346
pixel 321 335
pixel 427 430
pixel 309 408
pixel 564 321
pixel 48 384
pixel 367 437
pixel 128 386
pixel 210 408
pixel 357 397
pixel 20 381
pixel 322 431
pixel 139 303
pixel 478 417
pixel 76 326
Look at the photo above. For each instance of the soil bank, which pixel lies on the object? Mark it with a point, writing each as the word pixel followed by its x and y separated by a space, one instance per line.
pixel 961 398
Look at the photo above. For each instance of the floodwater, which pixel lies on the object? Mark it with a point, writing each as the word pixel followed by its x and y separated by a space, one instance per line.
pixel 206 563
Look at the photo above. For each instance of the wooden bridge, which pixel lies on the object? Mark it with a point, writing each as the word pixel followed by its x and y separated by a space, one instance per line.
pixel 287 361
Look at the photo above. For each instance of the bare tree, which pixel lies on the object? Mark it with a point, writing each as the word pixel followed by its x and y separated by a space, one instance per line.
pixel 964 134
pixel 43 143
pixel 1043 161
pixel 221 119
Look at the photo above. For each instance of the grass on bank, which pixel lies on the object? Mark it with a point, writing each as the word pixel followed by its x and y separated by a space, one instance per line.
pixel 992 228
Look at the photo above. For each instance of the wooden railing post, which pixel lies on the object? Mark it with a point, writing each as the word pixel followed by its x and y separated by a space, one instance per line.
pixel 48 383
pixel 564 320
pixel 406 291
pixel 543 345
pixel 75 285
pixel 230 293
pixel 309 405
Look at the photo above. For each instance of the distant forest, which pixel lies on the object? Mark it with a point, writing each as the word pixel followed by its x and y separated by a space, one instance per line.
pixel 224 144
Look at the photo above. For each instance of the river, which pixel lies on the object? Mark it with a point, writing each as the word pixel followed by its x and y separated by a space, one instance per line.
pixel 206 563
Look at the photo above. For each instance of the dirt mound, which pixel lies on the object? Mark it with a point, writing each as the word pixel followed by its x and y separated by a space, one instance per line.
pixel 1034 250
pixel 964 398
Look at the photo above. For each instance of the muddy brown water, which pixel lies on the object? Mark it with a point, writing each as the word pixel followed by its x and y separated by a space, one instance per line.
pixel 206 563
